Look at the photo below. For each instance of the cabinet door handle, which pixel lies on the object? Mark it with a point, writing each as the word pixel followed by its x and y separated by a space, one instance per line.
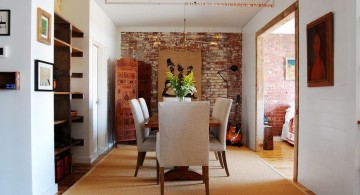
pixel 97 101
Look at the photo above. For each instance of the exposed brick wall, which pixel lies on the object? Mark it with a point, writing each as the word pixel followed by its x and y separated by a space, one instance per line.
pixel 140 45
pixel 278 92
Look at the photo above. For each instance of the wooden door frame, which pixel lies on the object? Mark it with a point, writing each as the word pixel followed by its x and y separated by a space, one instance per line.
pixel 291 9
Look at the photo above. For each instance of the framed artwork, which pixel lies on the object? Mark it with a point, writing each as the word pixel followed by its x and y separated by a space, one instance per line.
pixel 43 27
pixel 290 68
pixel 4 22
pixel 320 52
pixel 44 76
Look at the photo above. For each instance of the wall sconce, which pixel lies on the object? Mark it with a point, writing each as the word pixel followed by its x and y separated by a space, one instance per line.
pixel 232 68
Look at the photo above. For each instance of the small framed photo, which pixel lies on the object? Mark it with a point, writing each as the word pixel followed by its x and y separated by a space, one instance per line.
pixel 43 27
pixel 290 68
pixel 320 51
pixel 44 76
pixel 4 22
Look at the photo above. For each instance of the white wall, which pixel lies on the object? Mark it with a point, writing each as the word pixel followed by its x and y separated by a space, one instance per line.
pixel 328 127
pixel 328 131
pixel 97 27
pixel 26 116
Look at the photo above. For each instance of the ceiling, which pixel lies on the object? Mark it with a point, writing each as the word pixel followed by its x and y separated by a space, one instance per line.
pixel 168 15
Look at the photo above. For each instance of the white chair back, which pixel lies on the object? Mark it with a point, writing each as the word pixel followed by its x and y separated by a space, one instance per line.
pixel 221 112
pixel 175 99
pixel 139 121
pixel 183 138
pixel 144 108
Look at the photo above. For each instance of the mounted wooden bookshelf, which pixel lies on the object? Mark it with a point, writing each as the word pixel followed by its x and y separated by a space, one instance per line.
pixel 64 31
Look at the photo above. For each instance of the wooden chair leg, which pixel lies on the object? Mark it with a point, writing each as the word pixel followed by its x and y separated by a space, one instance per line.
pixel 157 172
pixel 140 159
pixel 205 172
pixel 216 156
pixel 220 159
pixel 162 180
pixel 225 163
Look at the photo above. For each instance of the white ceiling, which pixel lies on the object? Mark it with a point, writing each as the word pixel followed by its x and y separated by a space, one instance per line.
pixel 168 15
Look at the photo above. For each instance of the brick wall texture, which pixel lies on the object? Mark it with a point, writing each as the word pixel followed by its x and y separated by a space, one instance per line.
pixel 278 92
pixel 142 46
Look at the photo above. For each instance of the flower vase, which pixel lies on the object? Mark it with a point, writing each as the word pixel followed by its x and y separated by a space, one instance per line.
pixel 181 98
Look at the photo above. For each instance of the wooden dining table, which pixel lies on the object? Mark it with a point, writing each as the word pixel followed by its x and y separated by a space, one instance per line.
pixel 179 172
pixel 153 122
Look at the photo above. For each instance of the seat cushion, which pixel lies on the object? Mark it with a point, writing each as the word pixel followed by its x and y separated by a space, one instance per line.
pixel 215 145
pixel 149 144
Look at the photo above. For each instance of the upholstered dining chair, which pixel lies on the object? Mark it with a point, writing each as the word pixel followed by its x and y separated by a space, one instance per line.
pixel 146 115
pixel 175 99
pixel 217 138
pixel 144 142
pixel 183 138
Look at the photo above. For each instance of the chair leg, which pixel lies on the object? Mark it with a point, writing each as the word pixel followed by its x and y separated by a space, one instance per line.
pixel 216 155
pixel 140 160
pixel 225 163
pixel 157 172
pixel 205 172
pixel 220 159
pixel 162 180
pixel 143 158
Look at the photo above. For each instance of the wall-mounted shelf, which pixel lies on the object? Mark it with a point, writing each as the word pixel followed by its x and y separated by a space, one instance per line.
pixel 59 122
pixel 10 80
pixel 77 119
pixel 61 150
pixel 77 95
pixel 76 52
pixel 76 75
pixel 75 32
pixel 64 32
pixel 77 142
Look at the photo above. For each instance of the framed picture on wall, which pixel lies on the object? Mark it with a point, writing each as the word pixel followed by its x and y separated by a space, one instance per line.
pixel 4 22
pixel 44 76
pixel 43 27
pixel 290 68
pixel 320 52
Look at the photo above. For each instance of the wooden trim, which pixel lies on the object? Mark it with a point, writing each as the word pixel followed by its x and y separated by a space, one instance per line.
pixel 297 83
pixel 291 9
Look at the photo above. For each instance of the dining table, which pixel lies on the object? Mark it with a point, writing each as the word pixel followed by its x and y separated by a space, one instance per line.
pixel 179 172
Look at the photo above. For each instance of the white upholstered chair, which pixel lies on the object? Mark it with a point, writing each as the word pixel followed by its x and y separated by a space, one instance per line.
pixel 146 115
pixel 144 142
pixel 183 138
pixel 175 99
pixel 220 112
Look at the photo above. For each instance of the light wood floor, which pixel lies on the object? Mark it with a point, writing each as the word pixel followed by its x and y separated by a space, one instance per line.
pixel 281 158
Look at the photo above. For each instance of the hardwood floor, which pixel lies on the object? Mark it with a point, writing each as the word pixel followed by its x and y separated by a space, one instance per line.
pixel 281 158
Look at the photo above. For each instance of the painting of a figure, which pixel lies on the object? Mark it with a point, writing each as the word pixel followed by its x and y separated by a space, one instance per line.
pixel 320 52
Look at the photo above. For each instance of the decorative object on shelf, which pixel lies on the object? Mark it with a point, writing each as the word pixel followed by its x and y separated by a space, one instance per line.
pixel 4 22
pixel 320 52
pixel 290 68
pixel 44 76
pixel 181 85
pixel 43 26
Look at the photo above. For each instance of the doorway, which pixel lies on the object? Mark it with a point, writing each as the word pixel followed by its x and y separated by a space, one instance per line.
pixel 277 90
pixel 99 119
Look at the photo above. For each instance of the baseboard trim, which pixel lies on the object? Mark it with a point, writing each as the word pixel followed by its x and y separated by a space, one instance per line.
pixel 53 190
